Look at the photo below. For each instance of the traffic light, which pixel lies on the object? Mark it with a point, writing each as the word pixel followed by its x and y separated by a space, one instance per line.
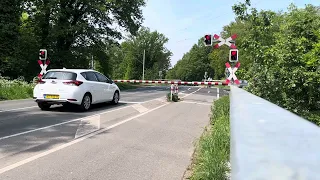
pixel 43 54
pixel 208 40
pixel 233 55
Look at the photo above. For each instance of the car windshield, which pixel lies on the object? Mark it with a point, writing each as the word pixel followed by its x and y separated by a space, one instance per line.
pixel 61 75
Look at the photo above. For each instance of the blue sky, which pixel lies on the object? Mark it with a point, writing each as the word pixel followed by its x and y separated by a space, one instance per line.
pixel 184 22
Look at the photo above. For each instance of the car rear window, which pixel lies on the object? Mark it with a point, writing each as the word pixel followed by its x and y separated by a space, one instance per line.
pixel 62 75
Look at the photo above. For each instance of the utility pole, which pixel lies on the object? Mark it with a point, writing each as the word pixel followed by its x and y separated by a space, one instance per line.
pixel 143 61
pixel 92 63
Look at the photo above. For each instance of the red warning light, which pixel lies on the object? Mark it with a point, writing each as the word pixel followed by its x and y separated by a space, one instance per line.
pixel 207 40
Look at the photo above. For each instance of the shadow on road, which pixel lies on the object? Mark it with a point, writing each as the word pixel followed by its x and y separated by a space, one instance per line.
pixel 94 108
pixel 25 120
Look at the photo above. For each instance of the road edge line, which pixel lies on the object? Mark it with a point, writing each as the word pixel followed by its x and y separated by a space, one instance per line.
pixel 9 110
pixel 191 93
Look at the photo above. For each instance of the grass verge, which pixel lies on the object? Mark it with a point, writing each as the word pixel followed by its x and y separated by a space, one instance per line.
pixel 212 152
pixel 223 87
pixel 175 97
pixel 127 86
pixel 15 89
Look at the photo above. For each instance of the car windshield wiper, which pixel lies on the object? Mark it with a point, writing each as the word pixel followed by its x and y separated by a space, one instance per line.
pixel 51 78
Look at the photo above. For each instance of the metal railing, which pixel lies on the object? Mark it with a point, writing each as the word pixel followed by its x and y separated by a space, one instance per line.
pixel 269 142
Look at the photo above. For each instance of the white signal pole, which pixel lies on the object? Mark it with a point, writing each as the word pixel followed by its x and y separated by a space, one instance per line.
pixel 143 61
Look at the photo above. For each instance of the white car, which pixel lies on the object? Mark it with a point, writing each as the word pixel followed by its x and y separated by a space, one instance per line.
pixel 82 87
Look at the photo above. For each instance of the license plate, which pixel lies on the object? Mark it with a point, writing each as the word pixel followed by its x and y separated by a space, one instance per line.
pixel 51 96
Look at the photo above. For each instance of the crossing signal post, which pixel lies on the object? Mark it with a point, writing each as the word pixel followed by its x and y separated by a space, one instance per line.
pixel 43 54
pixel 208 40
pixel 233 55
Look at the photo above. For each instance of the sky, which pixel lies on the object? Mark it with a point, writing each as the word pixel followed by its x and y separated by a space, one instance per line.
pixel 184 22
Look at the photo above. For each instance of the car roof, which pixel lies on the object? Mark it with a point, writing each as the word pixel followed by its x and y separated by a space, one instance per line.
pixel 73 70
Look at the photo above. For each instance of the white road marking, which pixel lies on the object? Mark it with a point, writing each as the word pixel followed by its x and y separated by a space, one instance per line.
pixel 88 125
pixel 191 102
pixel 218 95
pixel 140 108
pixel 130 102
pixel 192 93
pixel 208 91
pixel 16 109
pixel 15 100
pixel 162 100
pixel 189 89
pixel 25 161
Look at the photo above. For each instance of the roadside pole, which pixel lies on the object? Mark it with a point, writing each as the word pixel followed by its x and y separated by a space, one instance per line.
pixel 143 62
pixel 172 86
pixel 43 65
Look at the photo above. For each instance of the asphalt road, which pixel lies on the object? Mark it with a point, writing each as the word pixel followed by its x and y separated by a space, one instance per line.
pixel 143 137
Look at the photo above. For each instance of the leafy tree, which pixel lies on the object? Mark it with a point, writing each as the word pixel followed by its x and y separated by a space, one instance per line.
pixel 193 64
pixel 9 33
pixel 279 56
pixel 129 57
pixel 72 31
pixel 282 51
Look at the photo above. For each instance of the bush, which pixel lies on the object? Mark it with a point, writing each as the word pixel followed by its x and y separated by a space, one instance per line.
pixel 15 89
pixel 213 150
pixel 175 97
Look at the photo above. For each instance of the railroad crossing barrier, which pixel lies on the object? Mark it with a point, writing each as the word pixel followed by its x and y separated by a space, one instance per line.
pixel 174 82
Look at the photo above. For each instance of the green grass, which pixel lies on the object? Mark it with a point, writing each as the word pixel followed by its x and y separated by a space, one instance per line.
pixel 175 97
pixel 15 89
pixel 213 149
pixel 127 86
pixel 223 87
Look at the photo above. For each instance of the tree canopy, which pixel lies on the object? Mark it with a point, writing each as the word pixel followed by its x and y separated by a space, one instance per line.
pixel 278 51
pixel 72 32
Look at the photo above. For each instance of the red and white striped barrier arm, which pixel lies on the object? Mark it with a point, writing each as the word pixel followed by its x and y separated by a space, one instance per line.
pixel 172 82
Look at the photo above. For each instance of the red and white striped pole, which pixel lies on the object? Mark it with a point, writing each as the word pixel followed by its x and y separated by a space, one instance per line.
pixel 232 73
pixel 172 89
pixel 43 67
